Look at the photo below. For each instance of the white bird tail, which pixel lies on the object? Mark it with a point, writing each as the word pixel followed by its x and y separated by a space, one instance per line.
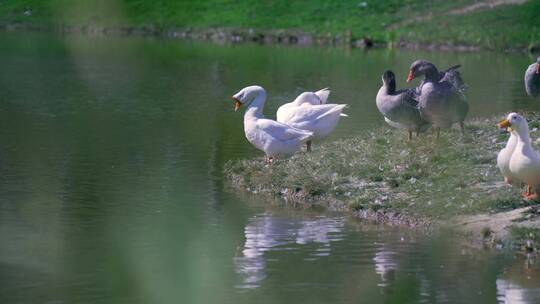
pixel 337 108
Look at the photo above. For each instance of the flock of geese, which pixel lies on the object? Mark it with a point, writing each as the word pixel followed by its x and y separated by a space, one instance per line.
pixel 439 101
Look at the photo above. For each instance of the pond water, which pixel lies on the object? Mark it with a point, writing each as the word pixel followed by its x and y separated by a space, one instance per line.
pixel 111 191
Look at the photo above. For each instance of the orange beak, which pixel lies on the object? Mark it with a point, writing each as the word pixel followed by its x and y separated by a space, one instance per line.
pixel 538 68
pixel 237 103
pixel 410 77
pixel 503 124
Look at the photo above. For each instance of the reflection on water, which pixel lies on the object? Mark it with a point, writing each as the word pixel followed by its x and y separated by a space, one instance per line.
pixel 519 283
pixel 385 265
pixel 508 292
pixel 332 257
pixel 265 232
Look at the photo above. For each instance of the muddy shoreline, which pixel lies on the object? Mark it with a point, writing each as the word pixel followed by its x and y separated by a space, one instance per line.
pixel 227 36
pixel 483 230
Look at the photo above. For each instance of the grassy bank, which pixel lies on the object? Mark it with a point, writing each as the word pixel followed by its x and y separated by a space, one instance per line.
pixel 381 176
pixel 382 172
pixel 390 21
pixel 506 26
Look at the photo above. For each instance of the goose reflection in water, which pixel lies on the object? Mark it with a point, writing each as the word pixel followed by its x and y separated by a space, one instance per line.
pixel 266 232
pixel 518 284
pixel 385 265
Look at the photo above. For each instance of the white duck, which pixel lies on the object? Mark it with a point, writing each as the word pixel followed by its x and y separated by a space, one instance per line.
pixel 274 138
pixel 503 158
pixel 309 111
pixel 525 161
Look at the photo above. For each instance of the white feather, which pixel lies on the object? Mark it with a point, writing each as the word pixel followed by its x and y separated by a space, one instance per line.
pixel 306 114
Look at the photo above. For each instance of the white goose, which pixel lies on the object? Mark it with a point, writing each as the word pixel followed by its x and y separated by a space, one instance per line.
pixel 274 138
pixel 309 111
pixel 503 158
pixel 525 161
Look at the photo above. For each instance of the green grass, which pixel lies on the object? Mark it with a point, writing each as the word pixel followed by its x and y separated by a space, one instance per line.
pixel 506 26
pixel 381 170
pixel 499 28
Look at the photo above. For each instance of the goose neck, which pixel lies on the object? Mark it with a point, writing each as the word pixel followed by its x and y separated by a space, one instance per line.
pixel 390 87
pixel 523 137
pixel 432 74
pixel 255 107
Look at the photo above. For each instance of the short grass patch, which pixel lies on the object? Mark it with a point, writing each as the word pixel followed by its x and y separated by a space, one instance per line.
pixel 509 26
pixel 381 170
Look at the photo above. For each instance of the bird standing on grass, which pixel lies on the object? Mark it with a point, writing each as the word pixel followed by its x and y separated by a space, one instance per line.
pixel 399 108
pixel 273 138
pixel 525 161
pixel 441 98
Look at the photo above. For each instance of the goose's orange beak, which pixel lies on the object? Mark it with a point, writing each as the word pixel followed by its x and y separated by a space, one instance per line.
pixel 410 77
pixel 237 103
pixel 538 68
pixel 504 124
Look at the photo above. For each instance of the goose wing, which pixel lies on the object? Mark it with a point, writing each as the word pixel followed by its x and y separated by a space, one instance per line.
pixel 409 97
pixel 282 132
pixel 314 113
pixel 453 76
